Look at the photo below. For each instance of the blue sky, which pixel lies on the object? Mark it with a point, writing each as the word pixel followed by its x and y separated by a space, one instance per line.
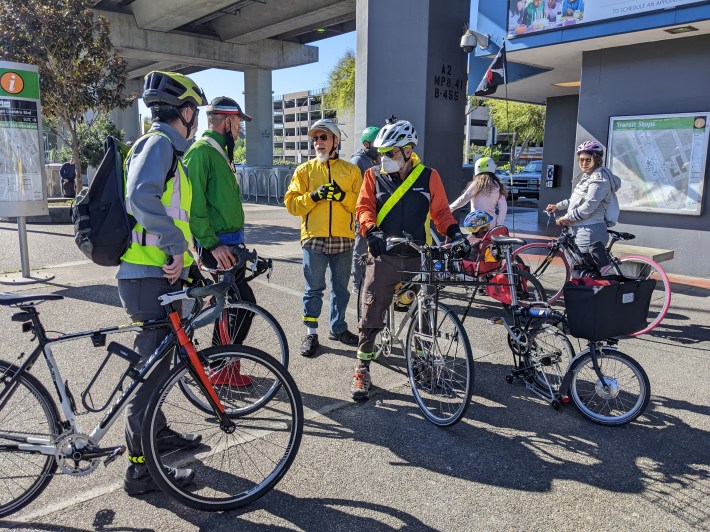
pixel 306 77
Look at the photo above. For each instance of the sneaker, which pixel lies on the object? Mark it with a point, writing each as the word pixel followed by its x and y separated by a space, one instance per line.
pixel 144 483
pixel 309 345
pixel 170 440
pixel 360 389
pixel 345 337
pixel 229 376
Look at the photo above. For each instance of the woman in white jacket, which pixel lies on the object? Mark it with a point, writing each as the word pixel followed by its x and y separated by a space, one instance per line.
pixel 485 192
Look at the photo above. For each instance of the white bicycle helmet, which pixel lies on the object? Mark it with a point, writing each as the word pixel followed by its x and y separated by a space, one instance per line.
pixel 325 124
pixel 590 146
pixel 485 164
pixel 397 135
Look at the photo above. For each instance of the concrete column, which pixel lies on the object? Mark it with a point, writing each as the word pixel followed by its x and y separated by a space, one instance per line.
pixel 257 104
pixel 128 119
pixel 409 64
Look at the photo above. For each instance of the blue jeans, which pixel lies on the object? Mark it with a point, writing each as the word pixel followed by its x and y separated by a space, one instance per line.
pixel 314 265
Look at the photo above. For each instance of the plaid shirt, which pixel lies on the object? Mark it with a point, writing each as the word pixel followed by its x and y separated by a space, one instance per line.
pixel 330 245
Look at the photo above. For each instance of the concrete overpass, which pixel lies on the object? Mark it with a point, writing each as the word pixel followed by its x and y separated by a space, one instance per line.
pixel 408 59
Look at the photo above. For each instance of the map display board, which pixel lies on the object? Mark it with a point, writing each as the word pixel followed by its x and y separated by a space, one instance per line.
pixel 661 160
pixel 530 16
pixel 22 190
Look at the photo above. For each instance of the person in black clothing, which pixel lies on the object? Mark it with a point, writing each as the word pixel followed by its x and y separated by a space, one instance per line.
pixel 67 174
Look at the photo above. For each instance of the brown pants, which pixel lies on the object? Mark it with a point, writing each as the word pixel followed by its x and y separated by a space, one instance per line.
pixel 382 274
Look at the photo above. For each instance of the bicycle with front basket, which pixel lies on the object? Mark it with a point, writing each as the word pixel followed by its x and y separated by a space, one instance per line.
pixel 250 435
pixel 436 347
pixel 553 262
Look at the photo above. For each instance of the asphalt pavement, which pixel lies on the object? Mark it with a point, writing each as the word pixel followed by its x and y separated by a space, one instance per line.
pixel 513 463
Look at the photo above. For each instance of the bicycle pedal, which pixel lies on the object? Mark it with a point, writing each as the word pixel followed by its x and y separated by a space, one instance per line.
pixel 495 321
pixel 118 451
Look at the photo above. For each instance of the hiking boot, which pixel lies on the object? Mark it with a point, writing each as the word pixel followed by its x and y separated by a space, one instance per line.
pixel 345 337
pixel 229 376
pixel 169 440
pixel 360 389
pixel 139 482
pixel 309 345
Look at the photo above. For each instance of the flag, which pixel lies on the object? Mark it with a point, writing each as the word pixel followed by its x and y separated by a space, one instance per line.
pixel 494 76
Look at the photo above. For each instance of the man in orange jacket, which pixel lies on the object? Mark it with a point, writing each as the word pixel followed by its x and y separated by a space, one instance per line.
pixel 399 196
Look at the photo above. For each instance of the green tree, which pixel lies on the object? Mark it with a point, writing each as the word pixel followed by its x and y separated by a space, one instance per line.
pixel 91 140
pixel 340 93
pixel 525 121
pixel 79 70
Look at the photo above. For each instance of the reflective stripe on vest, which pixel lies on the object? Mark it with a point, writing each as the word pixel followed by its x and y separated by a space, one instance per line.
pixel 401 191
pixel 176 199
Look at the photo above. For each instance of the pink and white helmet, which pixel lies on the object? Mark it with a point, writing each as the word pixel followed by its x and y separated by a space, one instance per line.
pixel 590 146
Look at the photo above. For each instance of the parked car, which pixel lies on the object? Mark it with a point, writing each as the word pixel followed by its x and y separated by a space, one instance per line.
pixel 526 183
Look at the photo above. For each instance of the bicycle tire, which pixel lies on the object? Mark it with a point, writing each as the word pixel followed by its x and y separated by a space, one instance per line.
pixel 261 336
pixel 384 341
pixel 441 379
pixel 548 355
pixel 608 407
pixel 28 403
pixel 661 298
pixel 232 469
pixel 551 269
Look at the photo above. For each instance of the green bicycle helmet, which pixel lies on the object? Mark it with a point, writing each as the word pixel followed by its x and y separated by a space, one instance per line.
pixel 369 134
pixel 171 88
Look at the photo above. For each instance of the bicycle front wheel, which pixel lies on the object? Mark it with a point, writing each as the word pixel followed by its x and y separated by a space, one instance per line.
pixel 547 265
pixel 638 267
pixel 27 415
pixel 548 356
pixel 619 398
pixel 439 364
pixel 233 466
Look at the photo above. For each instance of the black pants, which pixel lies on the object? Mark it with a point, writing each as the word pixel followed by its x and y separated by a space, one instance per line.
pixel 239 320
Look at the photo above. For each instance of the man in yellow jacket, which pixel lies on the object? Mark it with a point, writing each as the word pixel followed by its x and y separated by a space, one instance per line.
pixel 323 192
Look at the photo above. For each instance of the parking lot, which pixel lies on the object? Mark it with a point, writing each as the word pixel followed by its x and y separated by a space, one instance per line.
pixel 512 463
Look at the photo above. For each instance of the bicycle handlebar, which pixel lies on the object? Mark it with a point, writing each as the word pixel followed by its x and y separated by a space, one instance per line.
pixel 217 291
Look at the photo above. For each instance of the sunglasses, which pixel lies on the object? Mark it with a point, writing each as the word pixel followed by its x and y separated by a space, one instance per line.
pixel 585 160
pixel 322 136
pixel 392 153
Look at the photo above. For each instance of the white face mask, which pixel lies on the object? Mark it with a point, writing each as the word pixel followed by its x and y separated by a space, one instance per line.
pixel 390 166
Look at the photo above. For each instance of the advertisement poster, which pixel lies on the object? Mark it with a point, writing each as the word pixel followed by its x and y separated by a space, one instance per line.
pixel 21 151
pixel 529 16
pixel 661 161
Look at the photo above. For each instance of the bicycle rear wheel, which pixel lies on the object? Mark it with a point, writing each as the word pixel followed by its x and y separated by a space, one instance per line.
pixel 548 266
pixel 439 364
pixel 621 398
pixel 27 413
pixel 232 467
pixel 642 268
pixel 384 341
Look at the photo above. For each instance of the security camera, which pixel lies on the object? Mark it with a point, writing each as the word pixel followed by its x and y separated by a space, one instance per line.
pixel 471 38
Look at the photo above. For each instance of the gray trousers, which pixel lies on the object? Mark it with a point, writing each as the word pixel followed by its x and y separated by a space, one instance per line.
pixel 140 300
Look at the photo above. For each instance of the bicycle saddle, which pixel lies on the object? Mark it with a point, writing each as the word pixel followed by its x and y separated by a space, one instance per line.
pixel 15 299
pixel 507 240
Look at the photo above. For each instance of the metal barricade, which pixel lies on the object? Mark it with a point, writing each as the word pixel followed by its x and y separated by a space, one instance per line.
pixel 264 184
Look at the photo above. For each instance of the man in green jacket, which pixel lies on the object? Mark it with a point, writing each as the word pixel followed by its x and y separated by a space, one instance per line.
pixel 217 215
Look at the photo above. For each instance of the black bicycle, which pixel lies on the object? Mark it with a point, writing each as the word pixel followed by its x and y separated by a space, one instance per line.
pixel 244 451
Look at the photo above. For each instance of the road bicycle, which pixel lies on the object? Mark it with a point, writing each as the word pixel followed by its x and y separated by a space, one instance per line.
pixel 243 322
pixel 244 451
pixel 553 262
pixel 436 347
pixel 605 385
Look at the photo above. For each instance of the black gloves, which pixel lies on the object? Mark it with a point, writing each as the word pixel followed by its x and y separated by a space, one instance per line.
pixel 338 193
pixel 376 241
pixel 463 247
pixel 329 192
pixel 321 192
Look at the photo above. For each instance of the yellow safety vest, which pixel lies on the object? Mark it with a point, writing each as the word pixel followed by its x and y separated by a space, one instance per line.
pixel 176 199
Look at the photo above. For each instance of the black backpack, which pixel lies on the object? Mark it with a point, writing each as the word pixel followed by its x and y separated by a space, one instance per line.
pixel 102 227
